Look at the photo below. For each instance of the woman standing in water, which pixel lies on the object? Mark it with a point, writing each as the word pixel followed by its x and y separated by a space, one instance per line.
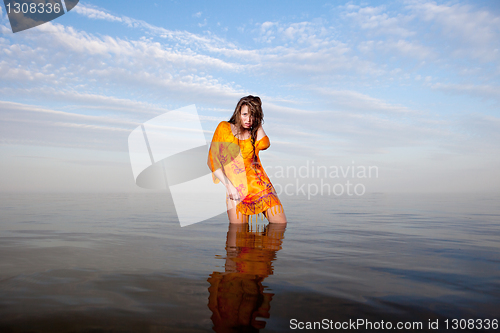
pixel 234 160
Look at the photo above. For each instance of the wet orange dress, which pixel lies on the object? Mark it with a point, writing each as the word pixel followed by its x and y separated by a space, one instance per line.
pixel 235 158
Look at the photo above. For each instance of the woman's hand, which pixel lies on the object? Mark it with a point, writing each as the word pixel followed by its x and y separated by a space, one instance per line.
pixel 232 192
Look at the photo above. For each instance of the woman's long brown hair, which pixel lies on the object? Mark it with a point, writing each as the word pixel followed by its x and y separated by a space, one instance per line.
pixel 255 108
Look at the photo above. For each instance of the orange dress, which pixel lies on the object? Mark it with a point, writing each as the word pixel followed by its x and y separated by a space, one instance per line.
pixel 235 158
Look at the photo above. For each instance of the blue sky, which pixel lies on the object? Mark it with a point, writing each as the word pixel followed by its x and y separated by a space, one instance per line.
pixel 411 87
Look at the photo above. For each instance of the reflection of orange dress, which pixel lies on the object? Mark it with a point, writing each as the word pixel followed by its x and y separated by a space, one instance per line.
pixel 258 192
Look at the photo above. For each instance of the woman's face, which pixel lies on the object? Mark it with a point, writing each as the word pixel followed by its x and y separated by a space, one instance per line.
pixel 246 117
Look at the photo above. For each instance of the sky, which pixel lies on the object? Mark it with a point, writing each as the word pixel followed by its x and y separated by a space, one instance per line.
pixel 409 87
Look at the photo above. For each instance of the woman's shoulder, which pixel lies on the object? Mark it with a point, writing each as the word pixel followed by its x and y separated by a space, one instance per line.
pixel 224 124
pixel 222 131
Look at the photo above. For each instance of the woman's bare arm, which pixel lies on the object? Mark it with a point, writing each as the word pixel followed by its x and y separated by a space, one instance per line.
pixel 260 133
pixel 222 177
pixel 231 190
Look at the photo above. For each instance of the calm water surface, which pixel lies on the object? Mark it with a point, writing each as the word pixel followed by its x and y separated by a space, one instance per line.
pixel 122 263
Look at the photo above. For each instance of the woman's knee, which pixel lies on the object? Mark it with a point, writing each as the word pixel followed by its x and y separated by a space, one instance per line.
pixel 276 217
pixel 235 217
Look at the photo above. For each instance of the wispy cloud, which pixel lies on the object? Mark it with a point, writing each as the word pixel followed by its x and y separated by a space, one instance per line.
pixel 360 103
pixel 97 14
pixel 355 80
pixel 378 22
pixel 488 92
pixel 33 125
pixel 184 37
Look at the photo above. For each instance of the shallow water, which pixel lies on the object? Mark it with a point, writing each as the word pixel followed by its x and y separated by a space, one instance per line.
pixel 122 263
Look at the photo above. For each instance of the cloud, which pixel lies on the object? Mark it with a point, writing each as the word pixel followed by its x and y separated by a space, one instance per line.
pixel 309 58
pixel 73 100
pixel 312 49
pixel 185 38
pixel 444 35
pixel 488 92
pixel 377 22
pixel 313 33
pixel 142 49
pixel 321 63
pixel 308 50
pixel 95 14
pixel 70 60
pixel 145 63
pixel 410 49
pixel 33 125
pixel 475 33
pixel 358 102
pixel 266 32
pixel 400 47
pixel 351 123
pixel 25 113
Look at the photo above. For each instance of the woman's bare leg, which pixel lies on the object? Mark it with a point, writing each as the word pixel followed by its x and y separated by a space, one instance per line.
pixel 232 215
pixel 273 217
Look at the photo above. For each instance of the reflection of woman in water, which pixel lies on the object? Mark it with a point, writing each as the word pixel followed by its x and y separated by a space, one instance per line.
pixel 237 298
pixel 234 159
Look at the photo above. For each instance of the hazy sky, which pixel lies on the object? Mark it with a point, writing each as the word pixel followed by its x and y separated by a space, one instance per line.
pixel 411 87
